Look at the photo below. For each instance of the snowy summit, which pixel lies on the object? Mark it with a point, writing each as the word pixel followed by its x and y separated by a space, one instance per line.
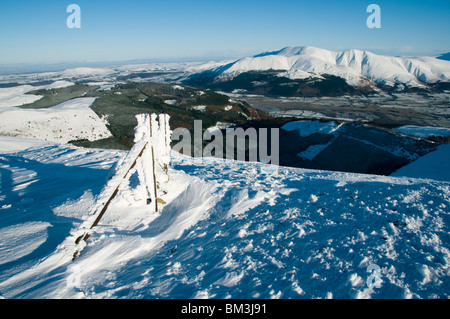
pixel 357 67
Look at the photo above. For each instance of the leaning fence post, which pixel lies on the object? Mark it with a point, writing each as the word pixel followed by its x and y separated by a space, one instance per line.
pixel 142 155
pixel 153 166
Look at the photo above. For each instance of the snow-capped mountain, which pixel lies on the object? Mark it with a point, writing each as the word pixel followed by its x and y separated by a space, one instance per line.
pixel 358 68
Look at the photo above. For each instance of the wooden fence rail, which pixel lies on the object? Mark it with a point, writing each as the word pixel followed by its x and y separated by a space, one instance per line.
pixel 141 154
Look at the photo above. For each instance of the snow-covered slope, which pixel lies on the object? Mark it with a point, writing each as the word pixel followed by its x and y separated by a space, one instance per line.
pixel 356 66
pixel 424 131
pixel 16 96
pixel 71 120
pixel 227 230
pixel 434 165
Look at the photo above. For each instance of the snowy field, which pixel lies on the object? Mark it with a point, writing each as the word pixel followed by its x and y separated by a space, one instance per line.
pixel 16 96
pixel 228 230
pixel 424 131
pixel 434 165
pixel 71 120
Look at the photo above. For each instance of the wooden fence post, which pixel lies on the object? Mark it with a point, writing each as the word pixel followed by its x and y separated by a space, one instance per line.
pixel 145 137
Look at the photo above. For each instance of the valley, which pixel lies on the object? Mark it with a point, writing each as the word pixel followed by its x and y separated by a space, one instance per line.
pixel 383 109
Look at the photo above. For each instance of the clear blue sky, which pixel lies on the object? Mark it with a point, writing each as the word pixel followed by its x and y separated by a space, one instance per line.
pixel 35 31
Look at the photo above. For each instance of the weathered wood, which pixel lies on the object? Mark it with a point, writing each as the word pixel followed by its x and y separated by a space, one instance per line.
pixel 153 167
pixel 147 135
pixel 105 206
pixel 154 181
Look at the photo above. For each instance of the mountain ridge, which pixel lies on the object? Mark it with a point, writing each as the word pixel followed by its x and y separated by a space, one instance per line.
pixel 358 68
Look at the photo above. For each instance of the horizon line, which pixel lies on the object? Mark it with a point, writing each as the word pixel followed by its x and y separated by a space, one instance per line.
pixel 55 66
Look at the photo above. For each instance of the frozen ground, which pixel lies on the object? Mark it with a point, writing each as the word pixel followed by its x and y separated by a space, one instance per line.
pixel 71 120
pixel 16 96
pixel 434 165
pixel 228 230
pixel 424 131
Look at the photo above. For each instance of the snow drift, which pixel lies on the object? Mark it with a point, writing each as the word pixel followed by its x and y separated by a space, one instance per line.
pixel 227 230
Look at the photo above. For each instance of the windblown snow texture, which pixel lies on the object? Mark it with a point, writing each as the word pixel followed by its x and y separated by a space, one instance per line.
pixel 227 230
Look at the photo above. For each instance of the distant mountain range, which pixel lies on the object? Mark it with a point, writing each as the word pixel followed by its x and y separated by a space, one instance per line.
pixel 309 71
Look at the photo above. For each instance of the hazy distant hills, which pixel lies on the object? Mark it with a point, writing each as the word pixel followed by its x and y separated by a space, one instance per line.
pixel 310 71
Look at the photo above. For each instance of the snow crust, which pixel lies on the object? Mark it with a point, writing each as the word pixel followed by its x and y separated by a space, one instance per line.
pixel 15 96
pixel 434 165
pixel 227 230
pixel 424 131
pixel 71 120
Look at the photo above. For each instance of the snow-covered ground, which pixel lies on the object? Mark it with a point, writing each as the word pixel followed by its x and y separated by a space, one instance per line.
pixel 227 230
pixel 424 131
pixel 16 96
pixel 434 165
pixel 71 120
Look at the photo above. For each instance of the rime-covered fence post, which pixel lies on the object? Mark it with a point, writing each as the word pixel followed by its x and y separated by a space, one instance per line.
pixel 161 137
pixel 154 163
pixel 146 163
pixel 150 156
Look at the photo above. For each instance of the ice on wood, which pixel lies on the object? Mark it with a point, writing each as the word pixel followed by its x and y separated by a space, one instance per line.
pixel 152 166
pixel 152 137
